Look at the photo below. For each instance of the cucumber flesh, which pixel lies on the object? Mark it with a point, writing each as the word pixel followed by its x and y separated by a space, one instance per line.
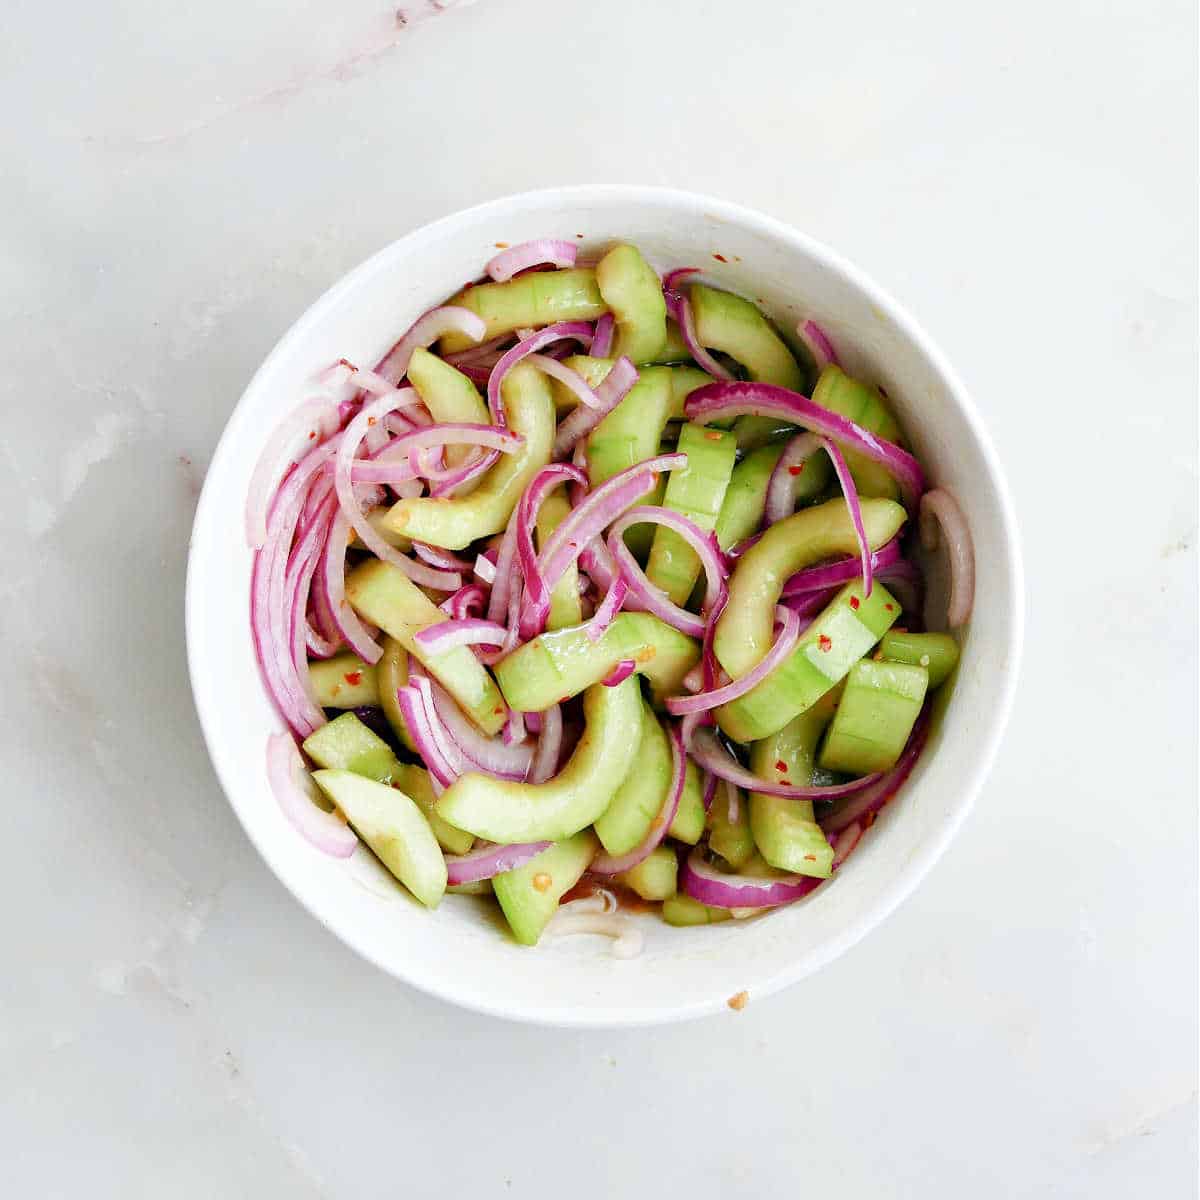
pixel 455 522
pixel 863 405
pixel 697 491
pixel 449 395
pixel 627 819
pixel 828 649
pixel 539 298
pixel 731 839
pixel 936 652
pixel 346 744
pixel 654 878
pixel 734 326
pixel 786 831
pixel 504 811
pixel 565 607
pixel 392 675
pixel 875 717
pixel 688 825
pixel 529 895
pixel 633 292
pixel 388 598
pixel 558 665
pixel 632 431
pixel 343 681
pixel 394 827
pixel 681 909
pixel 674 349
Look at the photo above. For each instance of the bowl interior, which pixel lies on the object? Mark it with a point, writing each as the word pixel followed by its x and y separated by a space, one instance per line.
pixel 460 952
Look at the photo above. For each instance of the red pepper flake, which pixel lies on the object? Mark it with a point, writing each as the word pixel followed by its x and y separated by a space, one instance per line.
pixel 720 257
pixel 780 765
pixel 345 362
pixel 796 470
pixel 542 881
pixel 371 420
pixel 500 245
pixel 646 654
pixel 353 678
pixel 890 607
pixel 563 699
pixel 810 858
pixel 738 1001
pixel 824 643
pixel 854 603
pixel 498 710
pixel 713 435
pixel 312 433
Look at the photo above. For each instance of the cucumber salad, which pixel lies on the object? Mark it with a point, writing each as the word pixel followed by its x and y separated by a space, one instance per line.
pixel 596 585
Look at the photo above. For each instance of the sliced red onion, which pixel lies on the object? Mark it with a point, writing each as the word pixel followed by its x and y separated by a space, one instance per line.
pixel 905 582
pixel 435 556
pixel 615 386
pixel 514 729
pixel 369 416
pixel 580 331
pixel 506 576
pixel 817 344
pixel 420 727
pixel 536 609
pixel 733 801
pixel 711 671
pixel 550 251
pixel 718 401
pixel 449 635
pixel 491 349
pixel 568 377
pixel 807 605
pixel 855 509
pixel 708 752
pixel 489 861
pixel 693 681
pixel 620 672
pixel 489 755
pixel 869 802
pixel 785 643
pixel 456 480
pixel 845 842
pixel 606 613
pixel 841 571
pixel 712 887
pixel 736 551
pixel 940 510
pixel 549 746
pixel 602 338
pixel 710 790
pixel 680 307
pixel 477 373
pixel 296 794
pixel 295 437
pixel 607 864
pixel 653 599
pixel 485 570
pixel 426 330
pixel 781 487
pixel 467 603
pixel 372 382
pixel 590 518
pixel 671 279
pixel 333 575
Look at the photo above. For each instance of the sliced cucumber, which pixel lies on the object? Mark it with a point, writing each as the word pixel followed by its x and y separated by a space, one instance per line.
pixel 728 836
pixel 565 607
pixel 688 825
pixel 627 819
pixel 681 909
pixel 343 681
pixel 654 878
pixel 936 652
pixel 449 395
pixel 734 326
pixel 864 406
pixel 633 293
pixel 394 827
pixel 392 675
pixel 529 895
pixel 877 712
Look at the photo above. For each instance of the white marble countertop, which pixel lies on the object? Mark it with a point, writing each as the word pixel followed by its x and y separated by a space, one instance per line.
pixel 181 181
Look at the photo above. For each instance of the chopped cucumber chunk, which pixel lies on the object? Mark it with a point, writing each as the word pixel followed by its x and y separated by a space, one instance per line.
pixel 628 818
pixel 343 681
pixel 633 292
pixel 936 652
pixel 529 895
pixel 874 718
pixel 654 877
pixel 688 825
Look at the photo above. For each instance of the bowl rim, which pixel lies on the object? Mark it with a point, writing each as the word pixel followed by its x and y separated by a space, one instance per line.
pixel 928 852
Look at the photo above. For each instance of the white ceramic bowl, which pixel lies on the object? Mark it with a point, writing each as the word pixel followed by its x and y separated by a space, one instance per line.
pixel 461 952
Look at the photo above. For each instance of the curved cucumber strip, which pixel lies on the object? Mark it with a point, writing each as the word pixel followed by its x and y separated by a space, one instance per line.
pixel 732 840
pixel 628 818
pixel 346 744
pixel 388 598
pixel 832 644
pixel 377 519
pixel 874 717
pixel 746 498
pixel 539 298
pixel 936 652
pixel 632 290
pixel 343 681
pixel 681 909
pixel 697 491
pixel 456 522
pixel 565 608
pixel 864 406
pixel 654 878
pixel 448 394
pixel 744 632
pixel 556 666
pixel 392 675
pixel 674 349
pixel 688 825
pixel 734 326
pixel 684 381
pixel 530 894
pixel 786 831
pixel 503 811
pixel 632 431
pixel 392 825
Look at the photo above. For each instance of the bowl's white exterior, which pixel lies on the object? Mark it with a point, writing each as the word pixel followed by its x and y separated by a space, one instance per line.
pixel 460 952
